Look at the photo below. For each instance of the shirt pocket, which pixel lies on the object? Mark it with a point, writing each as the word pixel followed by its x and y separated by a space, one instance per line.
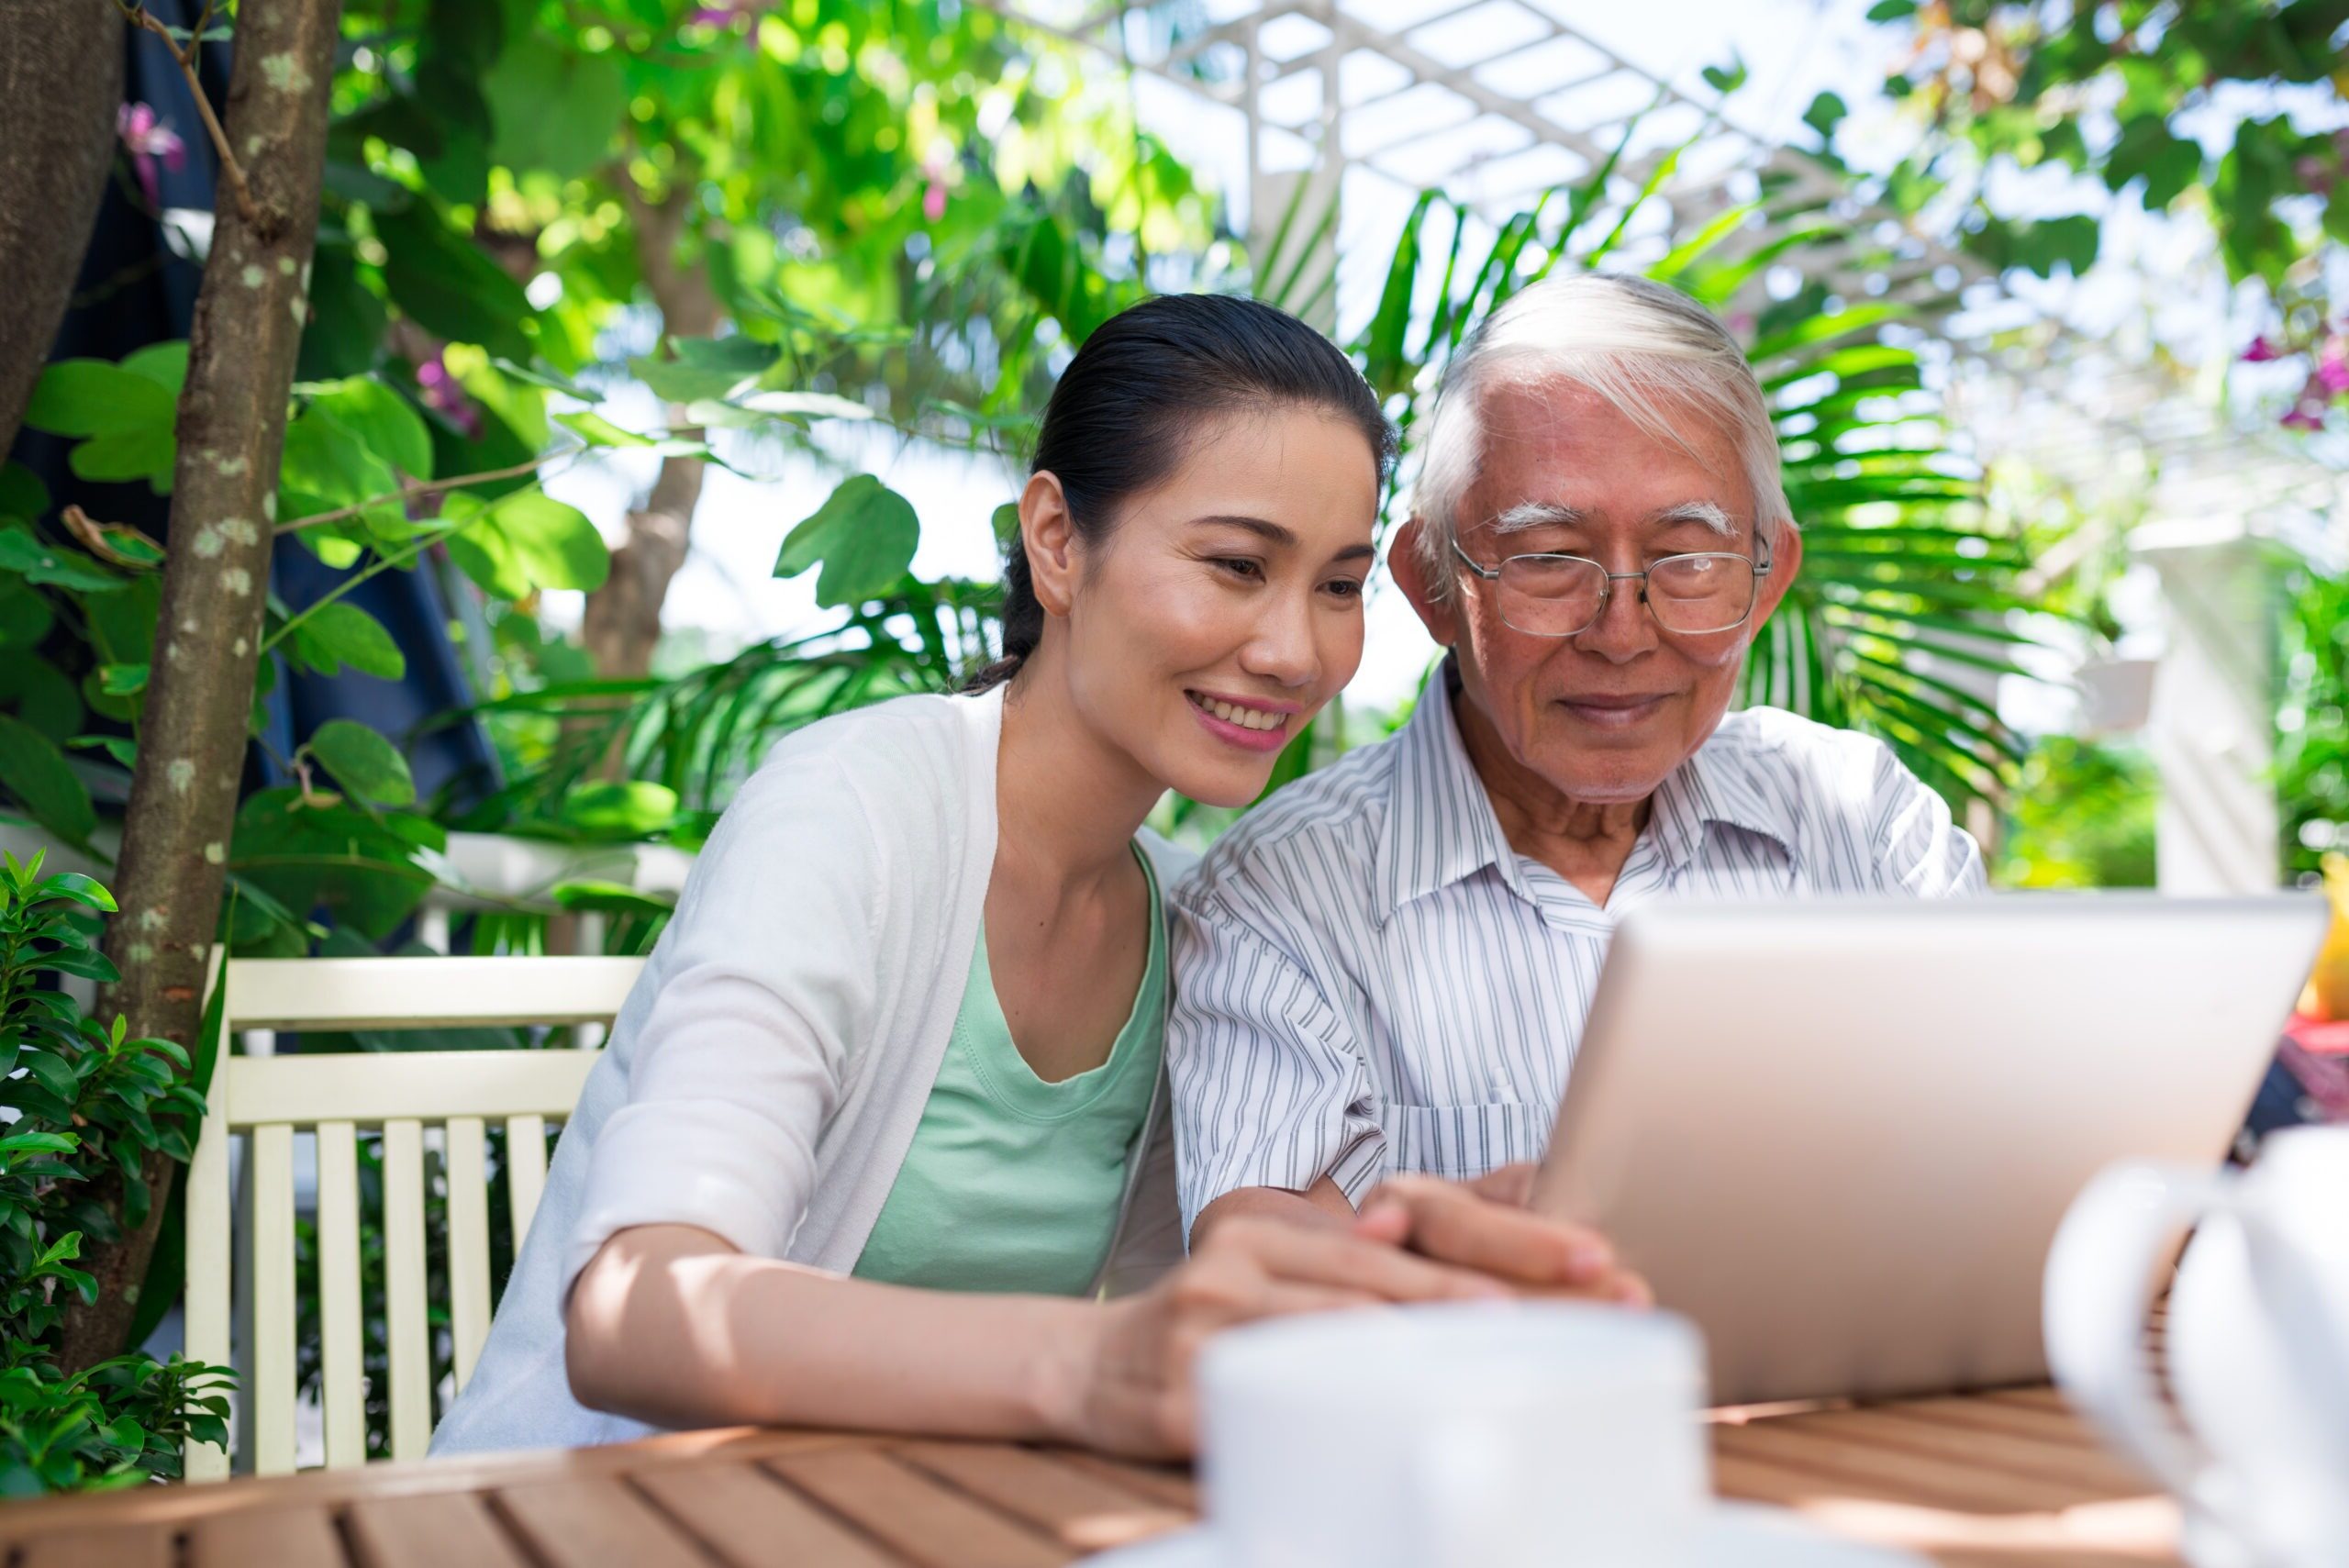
pixel 1461 1142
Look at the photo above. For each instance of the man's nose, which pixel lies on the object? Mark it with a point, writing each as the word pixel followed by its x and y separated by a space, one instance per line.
pixel 1624 630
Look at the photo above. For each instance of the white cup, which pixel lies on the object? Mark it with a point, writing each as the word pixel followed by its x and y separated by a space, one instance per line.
pixel 1468 1436
pixel 2258 1343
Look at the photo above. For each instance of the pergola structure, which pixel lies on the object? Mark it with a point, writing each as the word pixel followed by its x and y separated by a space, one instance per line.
pixel 1494 101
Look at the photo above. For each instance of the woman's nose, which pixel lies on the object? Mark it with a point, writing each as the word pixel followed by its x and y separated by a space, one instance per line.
pixel 1282 648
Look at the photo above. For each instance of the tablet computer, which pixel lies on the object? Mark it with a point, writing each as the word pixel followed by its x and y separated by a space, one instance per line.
pixel 1840 1135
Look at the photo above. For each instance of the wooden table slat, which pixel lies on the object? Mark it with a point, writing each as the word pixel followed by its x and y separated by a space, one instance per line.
pixel 590 1524
pixel 1081 1509
pixel 442 1529
pixel 2091 1470
pixel 921 1519
pixel 286 1536
pixel 97 1546
pixel 1926 1478
pixel 748 1518
pixel 2007 1480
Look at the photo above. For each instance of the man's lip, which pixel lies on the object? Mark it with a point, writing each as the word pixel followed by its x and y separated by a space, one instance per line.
pixel 1615 702
pixel 1257 704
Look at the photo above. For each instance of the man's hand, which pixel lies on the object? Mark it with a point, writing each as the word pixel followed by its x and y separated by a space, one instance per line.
pixel 1483 1224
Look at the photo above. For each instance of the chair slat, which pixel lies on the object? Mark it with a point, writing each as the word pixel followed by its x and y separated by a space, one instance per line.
pixel 209 1264
pixel 468 1241
pixel 271 1406
pixel 344 1373
pixel 404 1297
pixel 386 993
pixel 526 1171
pixel 370 1088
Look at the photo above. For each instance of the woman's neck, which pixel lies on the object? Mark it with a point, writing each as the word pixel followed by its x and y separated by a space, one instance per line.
pixel 1067 804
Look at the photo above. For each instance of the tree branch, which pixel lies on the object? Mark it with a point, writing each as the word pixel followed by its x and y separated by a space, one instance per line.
pixel 408 493
pixel 185 59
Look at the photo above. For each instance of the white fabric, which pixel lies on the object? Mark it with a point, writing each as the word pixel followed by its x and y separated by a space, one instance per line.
pixel 1369 979
pixel 765 1077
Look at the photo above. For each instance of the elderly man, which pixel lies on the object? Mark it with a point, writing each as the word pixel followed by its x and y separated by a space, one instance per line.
pixel 1386 970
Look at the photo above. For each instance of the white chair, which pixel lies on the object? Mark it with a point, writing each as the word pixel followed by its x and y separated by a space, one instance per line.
pixel 266 1098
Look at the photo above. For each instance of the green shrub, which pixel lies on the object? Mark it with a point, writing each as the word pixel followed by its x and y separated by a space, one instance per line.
pixel 89 1104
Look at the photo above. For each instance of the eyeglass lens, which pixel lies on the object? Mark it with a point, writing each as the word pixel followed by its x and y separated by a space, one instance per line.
pixel 1560 596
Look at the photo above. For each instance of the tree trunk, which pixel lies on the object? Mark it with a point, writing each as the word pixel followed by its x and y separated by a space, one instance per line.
pixel 248 320
pixel 61 77
pixel 623 617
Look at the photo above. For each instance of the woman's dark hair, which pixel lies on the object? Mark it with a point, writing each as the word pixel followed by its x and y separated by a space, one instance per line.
pixel 1127 406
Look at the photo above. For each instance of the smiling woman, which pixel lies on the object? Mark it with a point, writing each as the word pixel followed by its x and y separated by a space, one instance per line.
pixel 887 1109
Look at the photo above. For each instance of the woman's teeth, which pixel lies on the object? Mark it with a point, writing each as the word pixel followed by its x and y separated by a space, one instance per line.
pixel 1246 718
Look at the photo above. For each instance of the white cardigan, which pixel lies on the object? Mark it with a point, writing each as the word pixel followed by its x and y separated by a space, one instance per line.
pixel 765 1079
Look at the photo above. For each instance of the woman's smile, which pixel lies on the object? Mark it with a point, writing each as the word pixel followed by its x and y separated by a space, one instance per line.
pixel 1253 726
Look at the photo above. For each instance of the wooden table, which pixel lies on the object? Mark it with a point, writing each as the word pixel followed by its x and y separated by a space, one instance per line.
pixel 2005 1480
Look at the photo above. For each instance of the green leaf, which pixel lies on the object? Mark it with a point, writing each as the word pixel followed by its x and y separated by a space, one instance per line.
pixel 554 110
pixel 703 367
pixel 1826 112
pixel 119 457
pixel 36 772
pixel 1006 523
pixel 865 535
pixel 629 809
pixel 22 494
pixel 364 763
pixel 162 363
pixel 443 283
pixel 539 376
pixel 1891 10
pixel 1726 79
pixel 325 467
pixel 598 432
pixel 91 398
pixel 81 889
pixel 523 541
pixel 122 680
pixel 382 421
pixel 25 615
pixel 341 633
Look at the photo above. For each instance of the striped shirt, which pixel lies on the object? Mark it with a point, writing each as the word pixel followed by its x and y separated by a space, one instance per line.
pixel 1370 980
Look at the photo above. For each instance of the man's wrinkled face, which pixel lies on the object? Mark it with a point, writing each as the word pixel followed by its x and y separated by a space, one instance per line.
pixel 1603 715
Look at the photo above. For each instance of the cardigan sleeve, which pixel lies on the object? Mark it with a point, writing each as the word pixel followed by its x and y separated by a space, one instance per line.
pixel 763 980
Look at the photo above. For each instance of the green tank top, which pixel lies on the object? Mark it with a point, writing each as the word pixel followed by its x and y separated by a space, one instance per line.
pixel 1012 1184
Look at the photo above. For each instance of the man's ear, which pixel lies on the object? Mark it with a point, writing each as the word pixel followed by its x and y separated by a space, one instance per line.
pixel 1048 533
pixel 1785 561
pixel 1438 612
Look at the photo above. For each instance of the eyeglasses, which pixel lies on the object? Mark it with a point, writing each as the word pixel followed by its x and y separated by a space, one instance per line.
pixel 1564 595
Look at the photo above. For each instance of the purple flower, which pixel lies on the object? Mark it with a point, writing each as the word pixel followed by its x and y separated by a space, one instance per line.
pixel 2261 352
pixel 2304 416
pixel 713 16
pixel 146 139
pixel 2333 367
pixel 2316 174
pixel 444 396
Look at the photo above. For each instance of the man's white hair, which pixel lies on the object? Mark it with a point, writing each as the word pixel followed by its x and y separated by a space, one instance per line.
pixel 1657 356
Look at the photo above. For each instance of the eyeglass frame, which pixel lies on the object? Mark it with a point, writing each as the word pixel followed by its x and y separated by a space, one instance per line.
pixel 1606 587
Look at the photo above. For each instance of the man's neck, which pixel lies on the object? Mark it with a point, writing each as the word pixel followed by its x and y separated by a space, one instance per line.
pixel 1587 842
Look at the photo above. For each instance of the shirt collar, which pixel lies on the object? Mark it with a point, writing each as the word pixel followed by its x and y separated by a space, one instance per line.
pixel 1439 821
pixel 1441 828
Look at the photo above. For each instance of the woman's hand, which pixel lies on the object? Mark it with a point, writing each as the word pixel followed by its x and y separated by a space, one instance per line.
pixel 1484 1226
pixel 1129 1388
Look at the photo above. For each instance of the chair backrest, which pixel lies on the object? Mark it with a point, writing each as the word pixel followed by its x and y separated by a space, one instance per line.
pixel 265 1099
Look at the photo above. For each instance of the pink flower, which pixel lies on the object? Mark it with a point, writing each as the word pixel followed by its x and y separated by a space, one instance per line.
pixel 2333 367
pixel 2261 352
pixel 444 396
pixel 2304 416
pixel 714 16
pixel 2317 173
pixel 933 201
pixel 146 139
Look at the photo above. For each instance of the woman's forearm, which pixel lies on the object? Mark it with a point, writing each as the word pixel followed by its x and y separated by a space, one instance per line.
pixel 671 1325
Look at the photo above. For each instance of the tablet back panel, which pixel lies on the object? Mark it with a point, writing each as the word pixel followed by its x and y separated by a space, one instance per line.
pixel 1840 1136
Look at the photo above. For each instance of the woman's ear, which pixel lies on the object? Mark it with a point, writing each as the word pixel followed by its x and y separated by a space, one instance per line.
pixel 1437 611
pixel 1048 533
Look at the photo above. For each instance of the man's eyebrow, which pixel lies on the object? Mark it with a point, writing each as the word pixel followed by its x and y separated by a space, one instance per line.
pixel 1527 515
pixel 1704 512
